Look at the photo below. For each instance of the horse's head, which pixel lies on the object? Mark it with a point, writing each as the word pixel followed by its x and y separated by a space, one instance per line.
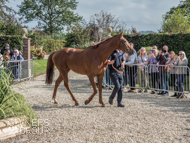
pixel 125 46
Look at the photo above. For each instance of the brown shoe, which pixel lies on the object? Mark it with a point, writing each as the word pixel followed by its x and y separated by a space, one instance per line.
pixel 178 95
pixel 132 90
pixel 183 96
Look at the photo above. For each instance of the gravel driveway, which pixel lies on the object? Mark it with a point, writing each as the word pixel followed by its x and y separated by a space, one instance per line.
pixel 145 118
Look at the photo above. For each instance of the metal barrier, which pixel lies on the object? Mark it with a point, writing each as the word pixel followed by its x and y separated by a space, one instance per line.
pixel 19 70
pixel 170 79
pixel 155 77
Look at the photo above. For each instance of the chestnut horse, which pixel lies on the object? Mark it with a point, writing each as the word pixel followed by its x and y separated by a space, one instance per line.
pixel 91 62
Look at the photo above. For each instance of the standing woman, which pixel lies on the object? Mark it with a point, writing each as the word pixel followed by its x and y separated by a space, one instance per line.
pixel 141 69
pixel 117 61
pixel 132 69
pixel 16 58
pixel 173 79
pixel 153 69
pixel 181 72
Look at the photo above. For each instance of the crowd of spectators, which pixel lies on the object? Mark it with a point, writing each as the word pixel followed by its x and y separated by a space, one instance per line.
pixel 165 71
pixel 10 59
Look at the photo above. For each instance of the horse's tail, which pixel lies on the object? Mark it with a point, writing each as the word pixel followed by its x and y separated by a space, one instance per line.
pixel 50 69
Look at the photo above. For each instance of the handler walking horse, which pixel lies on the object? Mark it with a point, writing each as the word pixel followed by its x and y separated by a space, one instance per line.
pixel 91 62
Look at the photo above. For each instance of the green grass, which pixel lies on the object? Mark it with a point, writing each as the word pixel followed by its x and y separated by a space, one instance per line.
pixel 39 67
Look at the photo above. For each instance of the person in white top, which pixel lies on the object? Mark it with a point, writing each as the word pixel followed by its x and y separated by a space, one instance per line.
pixel 16 58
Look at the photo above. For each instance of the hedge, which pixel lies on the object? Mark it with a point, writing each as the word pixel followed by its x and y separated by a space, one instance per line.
pixel 14 41
pixel 175 42
pixel 51 45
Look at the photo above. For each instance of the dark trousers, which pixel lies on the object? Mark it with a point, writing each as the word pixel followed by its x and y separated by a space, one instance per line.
pixel 117 80
pixel 164 77
pixel 180 80
pixel 125 76
pixel 132 76
pixel 154 79
pixel 173 81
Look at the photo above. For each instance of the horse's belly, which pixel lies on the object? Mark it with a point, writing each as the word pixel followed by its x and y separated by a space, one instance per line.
pixel 78 69
pixel 79 72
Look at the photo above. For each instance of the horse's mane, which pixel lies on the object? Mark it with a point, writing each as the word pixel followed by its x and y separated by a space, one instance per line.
pixel 97 45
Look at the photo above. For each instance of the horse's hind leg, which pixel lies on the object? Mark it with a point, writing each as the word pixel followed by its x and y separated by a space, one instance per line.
pixel 66 83
pixel 57 83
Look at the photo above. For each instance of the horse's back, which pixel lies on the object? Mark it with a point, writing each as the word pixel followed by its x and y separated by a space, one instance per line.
pixel 70 58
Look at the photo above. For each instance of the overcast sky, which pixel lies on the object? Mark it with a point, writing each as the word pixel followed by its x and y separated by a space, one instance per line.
pixel 141 14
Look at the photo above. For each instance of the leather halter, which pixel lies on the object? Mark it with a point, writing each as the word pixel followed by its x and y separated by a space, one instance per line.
pixel 120 55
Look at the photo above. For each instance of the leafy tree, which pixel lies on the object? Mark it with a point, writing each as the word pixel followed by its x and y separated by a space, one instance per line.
pixel 176 22
pixel 52 15
pixel 78 34
pixel 10 26
pixel 184 5
pixel 4 9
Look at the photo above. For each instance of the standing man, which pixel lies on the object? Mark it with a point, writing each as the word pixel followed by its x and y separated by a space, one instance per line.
pixel 162 58
pixel 117 60
pixel 132 70
pixel 7 47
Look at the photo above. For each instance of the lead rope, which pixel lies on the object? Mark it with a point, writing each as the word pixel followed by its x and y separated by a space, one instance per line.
pixel 117 69
pixel 118 57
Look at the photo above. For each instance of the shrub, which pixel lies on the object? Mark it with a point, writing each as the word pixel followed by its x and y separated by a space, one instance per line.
pixel 12 104
pixel 36 39
pixel 14 41
pixel 51 45
pixel 38 53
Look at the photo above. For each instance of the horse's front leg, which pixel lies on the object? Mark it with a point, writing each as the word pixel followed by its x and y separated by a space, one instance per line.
pixel 100 78
pixel 92 81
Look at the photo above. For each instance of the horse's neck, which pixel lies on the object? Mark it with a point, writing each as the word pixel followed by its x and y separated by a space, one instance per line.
pixel 106 50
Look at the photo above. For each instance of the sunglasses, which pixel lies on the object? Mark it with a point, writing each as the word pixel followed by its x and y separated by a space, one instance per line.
pixel 180 54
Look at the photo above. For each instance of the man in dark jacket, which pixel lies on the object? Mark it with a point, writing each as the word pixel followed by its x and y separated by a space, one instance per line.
pixel 117 60
pixel 163 57
pixel 7 47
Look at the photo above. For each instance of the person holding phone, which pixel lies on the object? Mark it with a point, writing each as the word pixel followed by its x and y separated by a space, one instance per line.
pixel 7 47
pixel 153 69
pixel 169 64
pixel 132 70
pixel 162 58
pixel 181 71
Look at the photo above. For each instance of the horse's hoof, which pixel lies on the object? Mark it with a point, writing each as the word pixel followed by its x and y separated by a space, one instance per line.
pixel 103 105
pixel 86 102
pixel 76 104
pixel 55 102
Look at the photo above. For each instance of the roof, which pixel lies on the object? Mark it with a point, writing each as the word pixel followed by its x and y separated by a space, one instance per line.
pixel 42 33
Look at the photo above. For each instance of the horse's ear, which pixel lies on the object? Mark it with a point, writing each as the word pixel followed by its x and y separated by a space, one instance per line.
pixel 121 35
